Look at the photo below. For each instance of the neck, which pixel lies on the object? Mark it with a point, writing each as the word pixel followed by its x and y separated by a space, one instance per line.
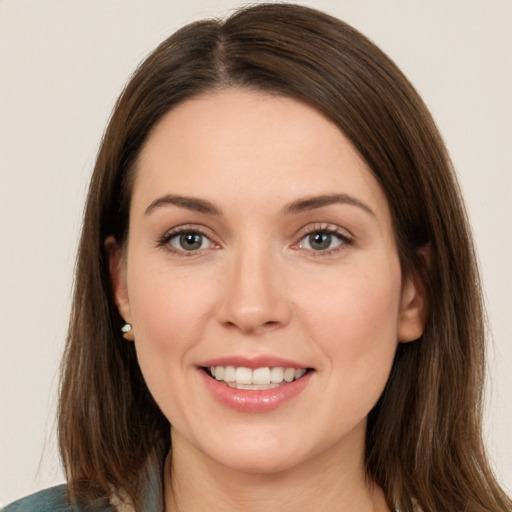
pixel 194 482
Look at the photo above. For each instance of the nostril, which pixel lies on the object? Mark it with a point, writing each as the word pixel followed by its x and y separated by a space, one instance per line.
pixel 252 323
pixel 252 299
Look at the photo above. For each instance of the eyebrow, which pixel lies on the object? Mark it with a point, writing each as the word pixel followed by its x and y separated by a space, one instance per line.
pixel 298 206
pixel 310 203
pixel 190 203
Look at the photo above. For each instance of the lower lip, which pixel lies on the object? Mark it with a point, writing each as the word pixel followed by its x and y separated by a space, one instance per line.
pixel 261 400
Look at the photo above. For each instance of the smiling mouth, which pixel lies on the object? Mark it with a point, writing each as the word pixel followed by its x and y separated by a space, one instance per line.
pixel 255 379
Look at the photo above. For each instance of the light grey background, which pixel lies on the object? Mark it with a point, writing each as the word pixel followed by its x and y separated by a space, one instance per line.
pixel 62 65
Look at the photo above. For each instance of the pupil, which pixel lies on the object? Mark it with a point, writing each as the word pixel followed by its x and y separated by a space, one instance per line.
pixel 320 241
pixel 190 241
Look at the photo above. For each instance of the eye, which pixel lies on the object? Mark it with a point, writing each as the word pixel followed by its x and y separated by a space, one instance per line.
pixel 324 240
pixel 320 241
pixel 189 241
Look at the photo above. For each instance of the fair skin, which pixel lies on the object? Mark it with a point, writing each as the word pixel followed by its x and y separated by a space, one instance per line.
pixel 259 238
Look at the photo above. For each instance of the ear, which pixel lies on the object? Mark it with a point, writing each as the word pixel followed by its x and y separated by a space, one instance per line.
pixel 117 269
pixel 414 305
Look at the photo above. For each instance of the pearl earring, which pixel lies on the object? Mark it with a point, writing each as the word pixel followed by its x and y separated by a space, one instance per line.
pixel 127 331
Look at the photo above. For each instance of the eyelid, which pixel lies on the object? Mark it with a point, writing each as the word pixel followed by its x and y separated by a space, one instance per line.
pixel 164 240
pixel 344 235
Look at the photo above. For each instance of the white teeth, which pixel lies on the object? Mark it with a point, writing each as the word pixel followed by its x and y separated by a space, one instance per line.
pixel 299 373
pixel 251 386
pixel 229 374
pixel 277 375
pixel 289 374
pixel 259 378
pixel 243 375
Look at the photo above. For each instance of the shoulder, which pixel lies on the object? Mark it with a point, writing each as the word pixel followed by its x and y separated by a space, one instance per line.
pixel 54 499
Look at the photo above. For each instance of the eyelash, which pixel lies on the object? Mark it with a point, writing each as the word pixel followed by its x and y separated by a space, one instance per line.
pixel 344 238
pixel 327 229
pixel 165 241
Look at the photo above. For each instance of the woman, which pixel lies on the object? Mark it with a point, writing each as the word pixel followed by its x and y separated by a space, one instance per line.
pixel 275 260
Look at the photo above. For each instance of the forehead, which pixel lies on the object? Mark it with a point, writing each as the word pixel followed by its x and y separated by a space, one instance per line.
pixel 251 145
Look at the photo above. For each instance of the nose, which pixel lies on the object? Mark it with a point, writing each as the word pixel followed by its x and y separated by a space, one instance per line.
pixel 254 295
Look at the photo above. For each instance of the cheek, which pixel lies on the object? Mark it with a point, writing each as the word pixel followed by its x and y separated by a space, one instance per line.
pixel 355 324
pixel 165 304
pixel 357 301
pixel 167 312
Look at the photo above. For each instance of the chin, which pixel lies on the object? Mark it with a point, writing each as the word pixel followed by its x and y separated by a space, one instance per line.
pixel 253 452
pixel 256 462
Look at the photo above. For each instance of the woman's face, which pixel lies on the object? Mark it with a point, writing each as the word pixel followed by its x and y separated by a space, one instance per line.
pixel 261 245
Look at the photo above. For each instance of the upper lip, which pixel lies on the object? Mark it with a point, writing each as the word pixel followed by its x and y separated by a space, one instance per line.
pixel 253 362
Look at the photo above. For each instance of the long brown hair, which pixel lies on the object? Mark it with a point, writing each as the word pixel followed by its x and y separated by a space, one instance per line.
pixel 423 440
